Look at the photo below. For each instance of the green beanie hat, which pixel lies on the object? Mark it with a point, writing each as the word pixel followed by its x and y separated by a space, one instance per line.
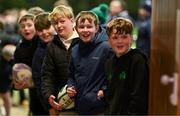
pixel 102 12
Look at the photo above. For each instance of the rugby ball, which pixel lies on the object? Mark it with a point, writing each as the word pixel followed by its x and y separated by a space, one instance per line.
pixel 23 73
pixel 63 99
pixel 8 51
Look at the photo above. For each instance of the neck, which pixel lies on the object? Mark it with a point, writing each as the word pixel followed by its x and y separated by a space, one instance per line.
pixel 119 55
pixel 68 35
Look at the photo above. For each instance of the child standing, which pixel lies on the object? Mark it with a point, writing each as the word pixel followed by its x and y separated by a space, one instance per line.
pixel 127 72
pixel 46 33
pixel 87 76
pixel 24 53
pixel 54 73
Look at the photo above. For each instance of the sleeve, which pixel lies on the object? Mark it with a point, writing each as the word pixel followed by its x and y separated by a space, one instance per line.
pixel 138 101
pixel 109 53
pixel 36 71
pixel 71 80
pixel 47 73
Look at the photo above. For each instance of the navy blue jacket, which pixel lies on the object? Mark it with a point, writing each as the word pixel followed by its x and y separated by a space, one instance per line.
pixel 87 73
pixel 36 70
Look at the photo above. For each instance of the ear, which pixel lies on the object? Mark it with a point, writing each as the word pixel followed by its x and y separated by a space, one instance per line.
pixel 97 28
pixel 72 20
pixel 131 40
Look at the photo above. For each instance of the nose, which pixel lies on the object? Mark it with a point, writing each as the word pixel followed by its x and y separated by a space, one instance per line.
pixel 26 27
pixel 44 31
pixel 85 29
pixel 59 24
pixel 119 40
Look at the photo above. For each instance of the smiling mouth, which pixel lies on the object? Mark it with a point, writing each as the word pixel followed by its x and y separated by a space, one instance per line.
pixel 119 47
pixel 27 34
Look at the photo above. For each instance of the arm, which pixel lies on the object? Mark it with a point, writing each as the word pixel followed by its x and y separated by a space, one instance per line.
pixel 47 73
pixel 71 81
pixel 138 103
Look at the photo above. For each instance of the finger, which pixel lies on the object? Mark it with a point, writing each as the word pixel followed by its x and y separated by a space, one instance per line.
pixel 73 90
pixel 56 105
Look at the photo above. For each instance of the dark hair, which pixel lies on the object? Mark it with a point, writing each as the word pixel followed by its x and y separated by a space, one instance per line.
pixel 122 25
pixel 42 21
pixel 146 7
pixel 1 26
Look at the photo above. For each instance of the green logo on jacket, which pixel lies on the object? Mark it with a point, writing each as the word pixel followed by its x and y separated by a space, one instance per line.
pixel 122 75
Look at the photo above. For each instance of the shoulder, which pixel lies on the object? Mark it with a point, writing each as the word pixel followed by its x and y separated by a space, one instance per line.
pixel 51 44
pixel 105 46
pixel 137 55
pixel 75 48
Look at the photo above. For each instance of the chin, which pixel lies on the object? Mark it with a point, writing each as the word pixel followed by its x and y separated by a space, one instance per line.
pixel 86 41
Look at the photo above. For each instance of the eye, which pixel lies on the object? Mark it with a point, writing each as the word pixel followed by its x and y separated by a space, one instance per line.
pixel 62 21
pixel 80 26
pixel 22 26
pixel 114 37
pixel 29 25
pixel 89 26
pixel 124 36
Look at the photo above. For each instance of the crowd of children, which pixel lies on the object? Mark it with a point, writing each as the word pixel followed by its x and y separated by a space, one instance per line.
pixel 92 58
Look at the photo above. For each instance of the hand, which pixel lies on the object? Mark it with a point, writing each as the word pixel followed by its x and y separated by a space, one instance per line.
pixel 19 84
pixel 100 94
pixel 53 112
pixel 71 91
pixel 53 103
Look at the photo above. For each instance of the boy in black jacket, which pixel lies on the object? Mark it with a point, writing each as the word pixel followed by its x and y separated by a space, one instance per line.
pixel 54 73
pixel 127 72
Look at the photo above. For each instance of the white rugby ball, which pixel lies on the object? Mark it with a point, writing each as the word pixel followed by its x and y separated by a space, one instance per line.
pixel 8 51
pixel 64 99
pixel 23 73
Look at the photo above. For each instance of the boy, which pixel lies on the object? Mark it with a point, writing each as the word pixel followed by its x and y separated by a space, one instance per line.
pixel 46 33
pixel 87 75
pixel 24 54
pixel 127 72
pixel 54 73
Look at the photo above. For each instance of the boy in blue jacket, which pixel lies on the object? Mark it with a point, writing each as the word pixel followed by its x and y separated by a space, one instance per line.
pixel 87 76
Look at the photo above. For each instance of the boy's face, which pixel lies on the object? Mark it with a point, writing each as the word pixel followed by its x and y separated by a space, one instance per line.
pixel 63 26
pixel 46 35
pixel 27 29
pixel 120 43
pixel 86 30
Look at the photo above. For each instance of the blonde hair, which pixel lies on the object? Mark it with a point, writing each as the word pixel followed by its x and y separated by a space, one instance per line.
pixel 122 26
pixel 35 10
pixel 87 15
pixel 61 11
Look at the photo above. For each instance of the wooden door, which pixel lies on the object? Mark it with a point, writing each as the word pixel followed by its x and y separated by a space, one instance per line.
pixel 164 56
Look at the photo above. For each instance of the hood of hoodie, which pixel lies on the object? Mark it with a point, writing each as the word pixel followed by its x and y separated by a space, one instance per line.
pixel 100 37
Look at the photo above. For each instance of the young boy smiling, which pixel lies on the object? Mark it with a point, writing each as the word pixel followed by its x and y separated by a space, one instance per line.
pixel 87 76
pixel 127 72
